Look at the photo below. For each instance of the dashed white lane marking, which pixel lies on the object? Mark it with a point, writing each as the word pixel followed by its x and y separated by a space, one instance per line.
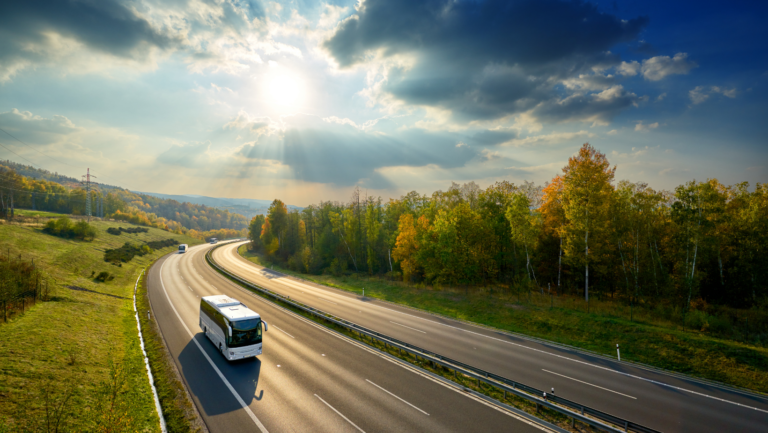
pixel 283 333
pixel 400 324
pixel 393 395
pixel 210 361
pixel 340 414
pixel 587 383
pixel 190 288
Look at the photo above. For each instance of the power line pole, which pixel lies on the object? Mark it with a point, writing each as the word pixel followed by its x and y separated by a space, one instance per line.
pixel 87 180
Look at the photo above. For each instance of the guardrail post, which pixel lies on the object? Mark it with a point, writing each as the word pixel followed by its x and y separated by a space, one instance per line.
pixel 505 394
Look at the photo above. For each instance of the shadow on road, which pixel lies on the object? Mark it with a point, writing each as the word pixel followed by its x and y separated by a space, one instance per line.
pixel 207 387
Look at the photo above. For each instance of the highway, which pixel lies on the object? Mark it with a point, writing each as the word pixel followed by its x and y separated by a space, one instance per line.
pixel 308 379
pixel 665 402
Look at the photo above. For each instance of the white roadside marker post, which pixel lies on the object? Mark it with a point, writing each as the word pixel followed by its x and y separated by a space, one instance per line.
pixel 618 354
pixel 363 292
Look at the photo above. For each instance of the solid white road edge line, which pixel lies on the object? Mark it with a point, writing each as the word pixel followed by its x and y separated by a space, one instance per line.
pixel 655 382
pixel 146 361
pixel 340 414
pixel 400 363
pixel 393 395
pixel 275 326
pixel 210 361
pixel 414 329
pixel 587 383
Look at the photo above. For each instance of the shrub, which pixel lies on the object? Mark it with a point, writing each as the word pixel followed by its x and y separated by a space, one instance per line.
pixel 104 276
pixel 127 252
pixel 64 228
pixel 119 230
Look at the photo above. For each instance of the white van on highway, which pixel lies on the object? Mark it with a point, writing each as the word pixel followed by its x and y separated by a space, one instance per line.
pixel 183 248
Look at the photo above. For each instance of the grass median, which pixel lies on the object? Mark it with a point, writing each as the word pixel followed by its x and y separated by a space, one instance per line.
pixel 76 357
pixel 669 347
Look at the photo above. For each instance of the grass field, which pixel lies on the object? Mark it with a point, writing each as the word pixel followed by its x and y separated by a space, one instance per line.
pixel 79 344
pixel 668 347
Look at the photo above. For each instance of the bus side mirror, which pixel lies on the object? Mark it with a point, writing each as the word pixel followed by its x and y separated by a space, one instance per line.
pixel 229 328
pixel 265 325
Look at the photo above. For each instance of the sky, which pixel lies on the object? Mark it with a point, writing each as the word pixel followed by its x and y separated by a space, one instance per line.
pixel 304 101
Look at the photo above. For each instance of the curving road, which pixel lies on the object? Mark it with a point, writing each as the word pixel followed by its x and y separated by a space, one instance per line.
pixel 308 378
pixel 658 400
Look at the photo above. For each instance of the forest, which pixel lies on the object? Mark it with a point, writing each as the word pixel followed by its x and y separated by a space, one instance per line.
pixel 37 193
pixel 583 233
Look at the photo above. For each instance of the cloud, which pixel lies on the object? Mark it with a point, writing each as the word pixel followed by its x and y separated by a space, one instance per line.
pixel 478 60
pixel 700 94
pixel 315 150
pixel 256 125
pixel 34 129
pixel 645 128
pixel 657 68
pixel 628 69
pixel 612 132
pixel 49 32
pixel 661 97
pixel 596 108
pixel 552 138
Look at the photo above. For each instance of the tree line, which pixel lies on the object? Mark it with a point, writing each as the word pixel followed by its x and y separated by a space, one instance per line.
pixel 582 233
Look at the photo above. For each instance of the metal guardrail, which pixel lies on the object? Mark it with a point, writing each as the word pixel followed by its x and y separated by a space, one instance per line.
pixel 575 411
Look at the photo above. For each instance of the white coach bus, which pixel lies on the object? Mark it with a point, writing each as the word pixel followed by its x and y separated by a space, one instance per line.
pixel 183 248
pixel 233 328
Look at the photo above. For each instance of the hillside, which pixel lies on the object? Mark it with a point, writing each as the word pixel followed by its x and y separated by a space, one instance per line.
pixel 26 187
pixel 82 336
pixel 244 206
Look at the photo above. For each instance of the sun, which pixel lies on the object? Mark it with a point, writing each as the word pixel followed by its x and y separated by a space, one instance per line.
pixel 283 88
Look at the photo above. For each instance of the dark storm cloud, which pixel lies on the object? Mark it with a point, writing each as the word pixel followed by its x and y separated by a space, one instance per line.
pixel 344 156
pixel 600 107
pixel 103 25
pixel 481 59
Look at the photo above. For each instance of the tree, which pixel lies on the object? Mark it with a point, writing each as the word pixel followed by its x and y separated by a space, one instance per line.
pixel 406 246
pixel 254 233
pixel 525 225
pixel 278 220
pixel 587 193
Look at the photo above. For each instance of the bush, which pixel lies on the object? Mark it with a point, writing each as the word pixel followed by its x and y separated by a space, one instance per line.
pixel 104 276
pixel 127 252
pixel 119 230
pixel 64 228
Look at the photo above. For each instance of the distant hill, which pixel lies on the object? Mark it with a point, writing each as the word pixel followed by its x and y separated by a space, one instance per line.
pixel 42 174
pixel 247 207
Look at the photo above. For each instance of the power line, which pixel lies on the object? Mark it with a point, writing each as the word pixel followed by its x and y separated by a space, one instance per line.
pixel 25 159
pixel 31 147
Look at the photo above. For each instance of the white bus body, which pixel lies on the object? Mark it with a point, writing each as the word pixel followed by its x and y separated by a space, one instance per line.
pixel 183 248
pixel 214 240
pixel 233 328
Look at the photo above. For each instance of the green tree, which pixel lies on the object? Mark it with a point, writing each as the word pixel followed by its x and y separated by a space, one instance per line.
pixel 587 193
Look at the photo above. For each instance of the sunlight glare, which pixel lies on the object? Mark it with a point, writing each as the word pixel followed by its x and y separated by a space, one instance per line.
pixel 283 88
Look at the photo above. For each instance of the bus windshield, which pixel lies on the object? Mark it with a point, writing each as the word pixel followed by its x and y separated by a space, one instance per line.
pixel 245 332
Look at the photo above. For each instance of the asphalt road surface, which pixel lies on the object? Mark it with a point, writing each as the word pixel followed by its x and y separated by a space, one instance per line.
pixel 308 379
pixel 658 400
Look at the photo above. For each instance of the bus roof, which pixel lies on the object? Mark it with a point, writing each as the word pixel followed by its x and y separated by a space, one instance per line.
pixel 231 308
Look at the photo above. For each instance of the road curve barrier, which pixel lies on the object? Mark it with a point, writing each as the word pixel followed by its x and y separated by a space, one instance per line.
pixel 577 412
